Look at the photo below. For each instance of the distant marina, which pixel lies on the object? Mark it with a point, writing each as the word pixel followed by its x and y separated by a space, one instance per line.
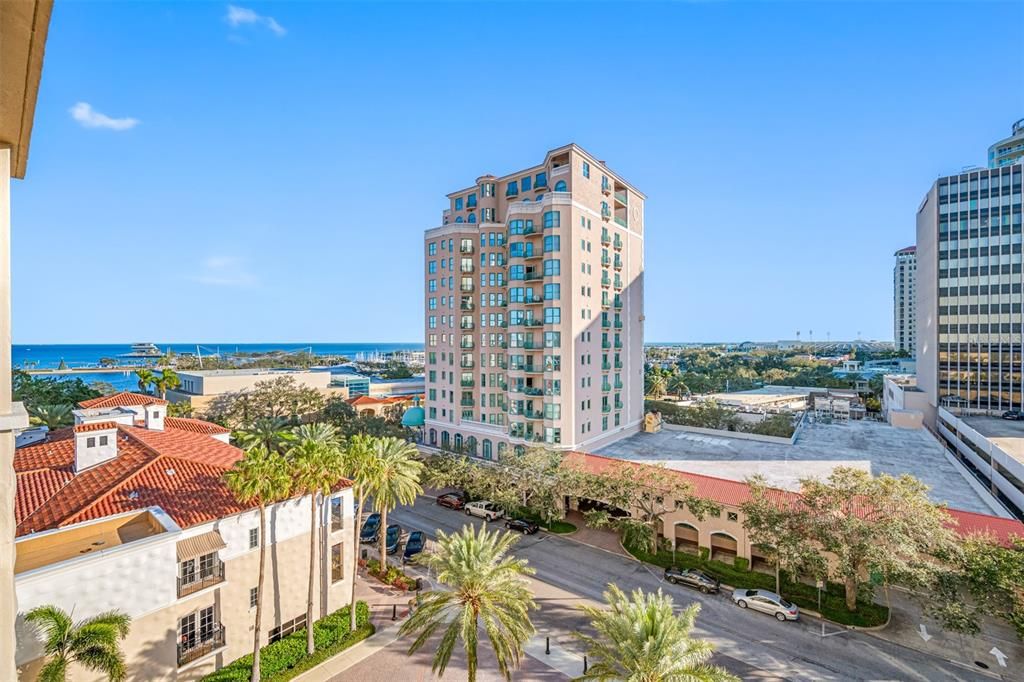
pixel 115 363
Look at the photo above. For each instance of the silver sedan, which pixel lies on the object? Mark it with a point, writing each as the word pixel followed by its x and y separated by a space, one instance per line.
pixel 768 602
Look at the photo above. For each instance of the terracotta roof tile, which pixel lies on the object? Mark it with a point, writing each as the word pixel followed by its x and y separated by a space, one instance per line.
pixel 194 425
pixel 95 426
pixel 122 399
pixel 365 400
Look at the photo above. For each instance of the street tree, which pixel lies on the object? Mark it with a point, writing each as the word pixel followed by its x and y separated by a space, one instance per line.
pixel 358 464
pixel 874 524
pixel 641 639
pixel 774 520
pixel 483 583
pixel 93 643
pixel 396 480
pixel 282 397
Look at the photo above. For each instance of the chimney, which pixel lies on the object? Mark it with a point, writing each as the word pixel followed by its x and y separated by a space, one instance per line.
pixel 155 417
pixel 95 443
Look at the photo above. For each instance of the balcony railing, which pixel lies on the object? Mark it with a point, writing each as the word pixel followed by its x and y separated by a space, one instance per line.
pixel 617 264
pixel 606 365
pixel 618 324
pixel 533 276
pixel 605 261
pixel 530 390
pixel 618 242
pixel 605 409
pixel 533 414
pixel 467 383
pixel 618 364
pixel 606 238
pixel 465 287
pixel 466 364
pixel 532 300
pixel 618 383
pixel 621 221
pixel 201 580
pixel 465 325
pixel 467 403
pixel 606 282
pixel 618 283
pixel 606 387
pixel 466 248
pixel 605 323
pixel 196 648
pixel 606 344
pixel 467 306
pixel 606 186
pixel 617 303
pixel 466 268
pixel 618 343
pixel 618 405
pixel 622 198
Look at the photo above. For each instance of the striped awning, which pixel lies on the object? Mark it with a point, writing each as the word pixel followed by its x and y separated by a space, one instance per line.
pixel 198 545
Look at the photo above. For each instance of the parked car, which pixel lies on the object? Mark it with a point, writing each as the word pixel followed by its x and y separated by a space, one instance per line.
pixel 522 526
pixel 484 509
pixel 371 526
pixel 414 545
pixel 454 500
pixel 391 538
pixel 1013 415
pixel 768 602
pixel 691 577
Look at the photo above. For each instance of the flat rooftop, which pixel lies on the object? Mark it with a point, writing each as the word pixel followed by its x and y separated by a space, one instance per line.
pixel 1008 435
pixel 255 371
pixel 819 448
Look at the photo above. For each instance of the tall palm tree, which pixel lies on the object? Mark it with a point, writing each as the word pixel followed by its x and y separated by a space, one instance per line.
pixel 396 481
pixel 677 385
pixel 315 469
pixel 655 385
pixel 146 377
pixel 272 433
pixel 260 478
pixel 51 416
pixel 166 380
pixel 483 584
pixel 640 639
pixel 359 465
pixel 92 643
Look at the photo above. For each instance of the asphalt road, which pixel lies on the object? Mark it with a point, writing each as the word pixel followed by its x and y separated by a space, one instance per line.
pixel 754 643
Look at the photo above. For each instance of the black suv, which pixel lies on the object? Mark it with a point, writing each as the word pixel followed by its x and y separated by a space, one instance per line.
pixel 691 577
pixel 1013 415
pixel 522 526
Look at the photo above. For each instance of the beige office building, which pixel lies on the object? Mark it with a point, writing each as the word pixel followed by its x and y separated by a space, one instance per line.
pixel 534 309
pixel 904 276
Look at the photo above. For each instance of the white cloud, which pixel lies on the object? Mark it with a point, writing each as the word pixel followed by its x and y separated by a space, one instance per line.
pixel 90 118
pixel 241 16
pixel 224 271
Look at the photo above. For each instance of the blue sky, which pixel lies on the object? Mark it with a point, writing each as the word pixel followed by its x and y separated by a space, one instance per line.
pixel 264 173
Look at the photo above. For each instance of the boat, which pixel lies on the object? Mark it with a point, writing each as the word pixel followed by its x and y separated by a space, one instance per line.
pixel 143 350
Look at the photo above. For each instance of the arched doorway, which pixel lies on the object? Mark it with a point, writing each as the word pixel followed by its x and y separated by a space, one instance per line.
pixel 445 440
pixel 471 446
pixel 687 538
pixel 433 436
pixel 458 442
pixel 487 448
pixel 723 547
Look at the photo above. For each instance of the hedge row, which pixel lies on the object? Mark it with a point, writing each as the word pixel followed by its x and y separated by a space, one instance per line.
pixel 833 596
pixel 286 658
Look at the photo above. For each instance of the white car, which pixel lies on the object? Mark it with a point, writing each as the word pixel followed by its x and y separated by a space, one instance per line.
pixel 766 602
pixel 484 509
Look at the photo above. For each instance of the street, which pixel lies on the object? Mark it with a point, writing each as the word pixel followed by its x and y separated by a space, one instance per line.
pixel 754 646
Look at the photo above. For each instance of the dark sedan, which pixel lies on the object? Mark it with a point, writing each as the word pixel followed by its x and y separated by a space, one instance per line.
pixel 370 528
pixel 391 538
pixel 414 545
pixel 691 577
pixel 452 500
pixel 522 526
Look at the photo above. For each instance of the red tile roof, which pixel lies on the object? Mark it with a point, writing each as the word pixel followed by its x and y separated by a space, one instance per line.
pixel 95 426
pixel 735 493
pixel 194 425
pixel 364 400
pixel 122 399
pixel 176 470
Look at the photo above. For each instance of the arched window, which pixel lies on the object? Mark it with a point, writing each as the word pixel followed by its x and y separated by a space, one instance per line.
pixel 539 197
pixel 525 200
pixel 458 442
pixel 458 219
pixel 471 445
pixel 487 449
pixel 433 436
pixel 472 217
pixel 445 440
pixel 560 186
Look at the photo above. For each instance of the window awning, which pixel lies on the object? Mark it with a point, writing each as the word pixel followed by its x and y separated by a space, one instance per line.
pixel 198 545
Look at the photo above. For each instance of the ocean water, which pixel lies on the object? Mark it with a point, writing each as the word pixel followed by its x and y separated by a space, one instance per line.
pixel 82 355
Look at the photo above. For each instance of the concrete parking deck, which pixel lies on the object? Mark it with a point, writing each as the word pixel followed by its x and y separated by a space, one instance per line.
pixel 819 448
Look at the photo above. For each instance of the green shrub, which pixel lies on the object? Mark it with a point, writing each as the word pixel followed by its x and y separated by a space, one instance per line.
pixel 704 552
pixel 741 563
pixel 393 576
pixel 284 659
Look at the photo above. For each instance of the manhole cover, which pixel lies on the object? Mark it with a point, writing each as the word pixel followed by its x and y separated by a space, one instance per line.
pixel 982 665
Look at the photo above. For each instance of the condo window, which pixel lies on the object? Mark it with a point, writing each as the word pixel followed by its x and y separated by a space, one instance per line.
pixel 337 562
pixel 254 538
pixel 512 189
pixel 104 440
pixel 458 204
pixel 552 219
pixel 287 628
pixel 525 182
pixel 337 514
pixel 586 169
pixel 90 442
pixel 254 595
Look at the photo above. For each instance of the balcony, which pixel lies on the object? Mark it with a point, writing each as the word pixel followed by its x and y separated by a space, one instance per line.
pixel 532 369
pixel 618 343
pixel 533 414
pixel 201 580
pixel 605 366
pixel 605 387
pixel 618 383
pixel 605 261
pixel 467 403
pixel 195 648
pixel 605 281
pixel 618 282
pixel 606 238
pixel 621 197
pixel 534 323
pixel 533 276
pixel 606 212
pixel 605 302
pixel 531 345
pixel 526 254
pixel 466 325
pixel 529 390
pixel 606 187
pixel 467 268
pixel 618 364
pixel 617 303
pixel 467 306
pixel 541 182
pixel 466 288
pixel 467 343
pixel 466 248
pixel 471 203
pixel 617 263
pixel 617 243
pixel 511 192
pixel 605 323
pixel 467 383
pixel 466 364
pixel 618 404
pixel 621 221
pixel 532 300
pixel 606 344
pixel 605 409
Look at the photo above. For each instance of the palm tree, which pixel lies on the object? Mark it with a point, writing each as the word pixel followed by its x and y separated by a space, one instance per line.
pixel 260 478
pixel 51 416
pixel 640 639
pixel 272 433
pixel 359 465
pixel 166 380
pixel 146 377
pixel 315 469
pixel 483 584
pixel 92 643
pixel 396 481
pixel 677 385
pixel 655 385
